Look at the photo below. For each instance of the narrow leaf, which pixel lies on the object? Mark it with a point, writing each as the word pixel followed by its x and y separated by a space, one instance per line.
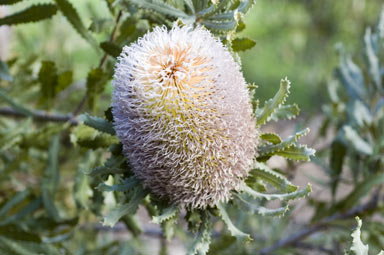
pixel 16 106
pixel 31 14
pixel 160 7
pixel 271 105
pixel 282 196
pixel 356 141
pixel 97 123
pixel 126 209
pixel 271 138
pixel 202 241
pixel 285 112
pixel 73 17
pixel 232 228
pixel 111 48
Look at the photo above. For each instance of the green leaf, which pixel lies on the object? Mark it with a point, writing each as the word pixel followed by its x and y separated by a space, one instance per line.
pixel 282 196
pixel 168 227
pixel 15 106
pixel 262 171
pixel 9 2
pixel 271 105
pixel 127 184
pixel 272 149
pixel 202 241
pixel 82 189
pixel 232 229
pixel 354 139
pixel 249 207
pixel 64 80
pixel 219 27
pixel 15 232
pixel 4 72
pixel 125 209
pixel 88 137
pixel 372 59
pixel 27 210
pixel 20 196
pixel 285 112
pixel 296 152
pixel 73 17
pixel 48 78
pixel 242 44
pixel 338 153
pixel 166 214
pixel 271 138
pixel 97 123
pixel 361 190
pixel 111 48
pixel 33 13
pixel 351 77
pixel 96 82
pixel 160 7
pixel 51 178
pixel 12 247
pixel 357 245
pixel 111 166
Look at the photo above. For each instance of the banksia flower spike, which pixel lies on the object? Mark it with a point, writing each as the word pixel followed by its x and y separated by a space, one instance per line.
pixel 183 114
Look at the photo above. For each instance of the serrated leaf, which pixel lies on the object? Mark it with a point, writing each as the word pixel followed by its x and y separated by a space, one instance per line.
pixel 51 178
pixel 256 209
pixel 111 166
pixel 125 209
pixel 232 228
pixel 242 44
pixel 168 227
pixel 9 2
pixel 285 112
pixel 166 214
pixel 33 13
pixel 111 48
pixel 73 17
pixel 88 137
pixel 357 245
pixel 272 149
pixel 4 72
pixel 126 185
pixel 97 123
pixel 96 82
pixel 271 138
pixel 202 241
pixel 296 152
pixel 278 180
pixel 356 141
pixel 271 105
pixel 283 196
pixel 160 7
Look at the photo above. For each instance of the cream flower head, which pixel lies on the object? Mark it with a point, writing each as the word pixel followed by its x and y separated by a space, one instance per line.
pixel 183 114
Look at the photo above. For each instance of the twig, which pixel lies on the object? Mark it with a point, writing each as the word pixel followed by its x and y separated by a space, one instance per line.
pixel 295 238
pixel 101 64
pixel 40 116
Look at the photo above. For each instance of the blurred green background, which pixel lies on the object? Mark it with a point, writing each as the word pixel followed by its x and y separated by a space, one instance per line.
pixel 295 38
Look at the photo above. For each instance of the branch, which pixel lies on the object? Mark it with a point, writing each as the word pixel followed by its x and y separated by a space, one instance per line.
pixel 295 238
pixel 40 116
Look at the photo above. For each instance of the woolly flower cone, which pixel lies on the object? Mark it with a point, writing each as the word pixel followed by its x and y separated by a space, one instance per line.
pixel 183 114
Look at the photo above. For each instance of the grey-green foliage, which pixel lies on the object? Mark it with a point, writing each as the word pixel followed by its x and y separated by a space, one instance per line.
pixel 39 161
pixel 356 116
